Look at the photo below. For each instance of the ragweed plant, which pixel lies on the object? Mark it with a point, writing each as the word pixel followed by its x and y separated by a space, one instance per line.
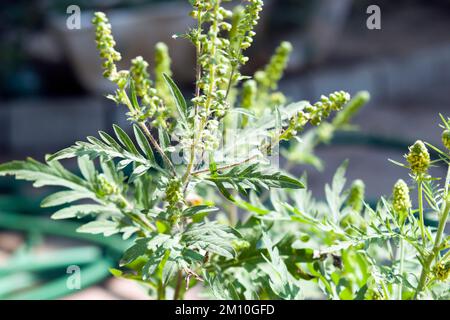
pixel 177 180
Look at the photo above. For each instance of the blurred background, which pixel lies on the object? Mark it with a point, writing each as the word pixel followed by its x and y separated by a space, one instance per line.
pixel 52 93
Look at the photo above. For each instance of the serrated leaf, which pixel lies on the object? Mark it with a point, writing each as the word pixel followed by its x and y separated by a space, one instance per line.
pixel 180 102
pixel 87 168
pixel 125 140
pixel 249 177
pixel 144 144
pixel 105 227
pixel 152 263
pixel 50 174
pixel 109 149
pixel 138 171
pixel 169 270
pixel 79 211
pixel 110 141
pixel 138 249
pixel 196 210
pixel 63 197
pixel 164 139
pixel 66 153
pixel 210 236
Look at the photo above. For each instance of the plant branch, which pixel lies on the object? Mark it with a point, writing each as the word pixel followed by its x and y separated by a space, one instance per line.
pixel 143 224
pixel 176 294
pixel 227 166
pixel 155 144
pixel 400 269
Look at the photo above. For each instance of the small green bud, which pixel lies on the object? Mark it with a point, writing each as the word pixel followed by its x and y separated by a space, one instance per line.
pixel 418 158
pixel 441 271
pixel 401 201
pixel 446 139
pixel 356 197
pixel 240 245
pixel 277 98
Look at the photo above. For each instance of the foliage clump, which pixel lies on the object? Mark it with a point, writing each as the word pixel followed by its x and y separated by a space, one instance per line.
pixel 194 186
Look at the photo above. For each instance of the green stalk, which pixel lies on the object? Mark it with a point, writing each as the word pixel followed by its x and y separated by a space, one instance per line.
pixel 177 292
pixel 400 269
pixel 437 242
pixel 420 202
pixel 161 291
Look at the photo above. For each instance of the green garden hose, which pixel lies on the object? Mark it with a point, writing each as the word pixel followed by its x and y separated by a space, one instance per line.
pixel 89 275
pixel 93 264
pixel 15 282
pixel 52 260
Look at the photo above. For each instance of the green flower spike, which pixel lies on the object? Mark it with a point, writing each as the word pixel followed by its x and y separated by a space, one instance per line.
pixel 272 73
pixel 418 158
pixel 400 199
pixel 173 194
pixel 105 44
pixel 162 66
pixel 322 109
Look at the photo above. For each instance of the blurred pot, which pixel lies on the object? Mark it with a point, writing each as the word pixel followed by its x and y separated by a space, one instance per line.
pixel 136 31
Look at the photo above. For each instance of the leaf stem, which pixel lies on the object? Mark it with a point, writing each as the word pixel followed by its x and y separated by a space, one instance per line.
pixel 155 144
pixel 420 203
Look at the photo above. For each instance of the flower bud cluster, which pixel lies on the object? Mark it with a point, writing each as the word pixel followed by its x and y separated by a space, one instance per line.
pixel 105 44
pixel 174 196
pixel 418 158
pixel 151 103
pixel 162 66
pixel 401 201
pixel 243 25
pixel 315 113
pixel 106 189
pixel 442 270
pixel 268 78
